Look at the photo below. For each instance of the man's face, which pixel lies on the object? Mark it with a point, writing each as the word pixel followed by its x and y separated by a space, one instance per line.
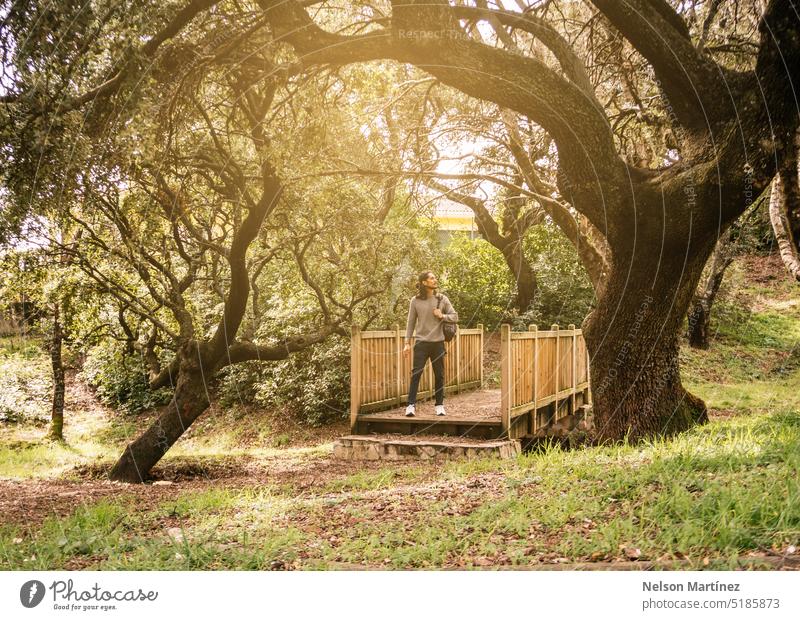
pixel 431 281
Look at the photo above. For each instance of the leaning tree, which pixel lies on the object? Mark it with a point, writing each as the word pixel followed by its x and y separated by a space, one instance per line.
pixel 176 185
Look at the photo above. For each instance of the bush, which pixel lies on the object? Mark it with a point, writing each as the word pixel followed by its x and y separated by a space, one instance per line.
pixel 482 287
pixel 120 380
pixel 565 291
pixel 477 281
pixel 313 385
pixel 25 381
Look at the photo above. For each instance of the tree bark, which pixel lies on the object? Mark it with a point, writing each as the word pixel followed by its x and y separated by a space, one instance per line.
pixel 189 401
pixel 524 275
pixel 784 210
pixel 632 336
pixel 56 361
pixel 700 314
pixel 194 365
pixel 633 332
pixel 699 321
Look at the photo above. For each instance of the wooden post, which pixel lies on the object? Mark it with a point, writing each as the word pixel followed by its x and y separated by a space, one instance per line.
pixel 506 378
pixel 458 360
pixel 355 376
pixel 554 327
pixel 587 400
pixel 398 361
pixel 574 358
pixel 532 328
pixel 480 361
pixel 535 330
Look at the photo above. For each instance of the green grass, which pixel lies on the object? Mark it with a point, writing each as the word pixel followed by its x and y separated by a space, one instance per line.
pixel 95 436
pixel 92 531
pixel 367 480
pixel 716 492
pixel 35 459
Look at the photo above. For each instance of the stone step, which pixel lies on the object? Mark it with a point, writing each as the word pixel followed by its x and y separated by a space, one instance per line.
pixel 374 448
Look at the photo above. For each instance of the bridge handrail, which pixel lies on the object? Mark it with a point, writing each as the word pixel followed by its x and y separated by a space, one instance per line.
pixel 380 373
pixel 541 367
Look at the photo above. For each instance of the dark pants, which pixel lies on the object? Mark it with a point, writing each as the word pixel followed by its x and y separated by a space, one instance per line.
pixel 422 352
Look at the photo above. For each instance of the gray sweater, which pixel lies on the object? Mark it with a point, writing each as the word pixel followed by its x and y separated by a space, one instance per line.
pixel 420 315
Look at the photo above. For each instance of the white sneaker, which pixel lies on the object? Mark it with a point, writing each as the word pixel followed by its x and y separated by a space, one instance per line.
pixel 439 409
pixel 410 411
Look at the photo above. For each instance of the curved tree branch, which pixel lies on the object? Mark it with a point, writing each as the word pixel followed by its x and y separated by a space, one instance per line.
pixel 691 81
pixel 248 351
pixel 239 289
pixel 571 64
pixel 591 245
pixel 428 35
pixel 487 225
pixel 114 81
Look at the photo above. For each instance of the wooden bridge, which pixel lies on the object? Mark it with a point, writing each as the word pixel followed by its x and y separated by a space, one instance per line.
pixel 544 378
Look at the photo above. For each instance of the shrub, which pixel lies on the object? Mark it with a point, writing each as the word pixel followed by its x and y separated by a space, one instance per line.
pixel 482 287
pixel 313 385
pixel 565 292
pixel 25 381
pixel 477 281
pixel 121 380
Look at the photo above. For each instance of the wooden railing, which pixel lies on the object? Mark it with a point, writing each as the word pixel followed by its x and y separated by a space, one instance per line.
pixel 380 374
pixel 544 376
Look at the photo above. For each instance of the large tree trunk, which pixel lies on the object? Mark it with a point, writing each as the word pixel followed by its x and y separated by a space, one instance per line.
pixel 632 336
pixel 57 415
pixel 188 403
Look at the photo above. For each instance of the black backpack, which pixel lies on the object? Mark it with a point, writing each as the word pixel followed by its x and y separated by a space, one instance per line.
pixel 448 328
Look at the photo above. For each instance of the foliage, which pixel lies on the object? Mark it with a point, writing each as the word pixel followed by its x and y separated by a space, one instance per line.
pixel 481 287
pixel 477 281
pixel 121 380
pixel 312 385
pixel 565 293
pixel 24 381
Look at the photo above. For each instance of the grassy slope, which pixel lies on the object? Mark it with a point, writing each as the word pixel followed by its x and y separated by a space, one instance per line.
pixel 714 495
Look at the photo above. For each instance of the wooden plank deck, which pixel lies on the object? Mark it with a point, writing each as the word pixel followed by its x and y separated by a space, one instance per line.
pixel 469 414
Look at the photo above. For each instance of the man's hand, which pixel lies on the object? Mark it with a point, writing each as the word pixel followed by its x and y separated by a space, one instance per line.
pixel 406 349
pixel 438 313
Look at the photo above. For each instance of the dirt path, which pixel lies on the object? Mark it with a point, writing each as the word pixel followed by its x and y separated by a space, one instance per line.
pixel 28 503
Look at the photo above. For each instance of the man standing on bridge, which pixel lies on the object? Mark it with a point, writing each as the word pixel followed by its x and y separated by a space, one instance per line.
pixel 427 313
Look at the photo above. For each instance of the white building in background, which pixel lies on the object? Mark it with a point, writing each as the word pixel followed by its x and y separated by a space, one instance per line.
pixel 451 217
